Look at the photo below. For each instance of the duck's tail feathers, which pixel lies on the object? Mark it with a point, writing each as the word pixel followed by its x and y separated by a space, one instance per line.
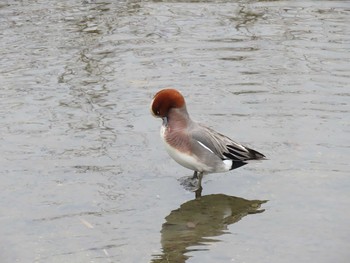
pixel 255 155
pixel 240 160
pixel 237 164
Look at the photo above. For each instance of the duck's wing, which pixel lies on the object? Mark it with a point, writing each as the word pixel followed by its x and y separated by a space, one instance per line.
pixel 222 146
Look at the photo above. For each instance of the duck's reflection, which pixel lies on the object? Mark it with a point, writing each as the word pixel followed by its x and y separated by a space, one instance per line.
pixel 196 222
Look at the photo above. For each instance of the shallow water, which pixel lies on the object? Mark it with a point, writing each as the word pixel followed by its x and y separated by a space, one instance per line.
pixel 84 176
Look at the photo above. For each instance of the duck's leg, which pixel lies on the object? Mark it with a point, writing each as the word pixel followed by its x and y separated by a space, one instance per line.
pixel 195 175
pixel 200 188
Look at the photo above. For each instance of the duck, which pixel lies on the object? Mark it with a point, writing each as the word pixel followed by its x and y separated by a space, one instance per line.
pixel 194 145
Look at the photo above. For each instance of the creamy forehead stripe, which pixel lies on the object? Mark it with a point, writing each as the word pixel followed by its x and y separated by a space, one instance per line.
pixel 151 108
pixel 205 146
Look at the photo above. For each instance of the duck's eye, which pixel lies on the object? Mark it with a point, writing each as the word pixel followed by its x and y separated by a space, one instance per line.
pixel 157 112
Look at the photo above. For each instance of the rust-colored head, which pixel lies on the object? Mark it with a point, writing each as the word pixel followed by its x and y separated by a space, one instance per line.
pixel 165 100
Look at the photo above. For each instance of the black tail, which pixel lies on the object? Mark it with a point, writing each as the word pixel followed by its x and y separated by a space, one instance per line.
pixel 237 164
pixel 253 155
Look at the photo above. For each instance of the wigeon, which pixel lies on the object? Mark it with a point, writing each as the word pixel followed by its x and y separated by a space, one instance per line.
pixel 194 145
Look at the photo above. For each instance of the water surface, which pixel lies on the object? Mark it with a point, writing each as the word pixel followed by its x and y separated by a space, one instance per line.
pixel 84 176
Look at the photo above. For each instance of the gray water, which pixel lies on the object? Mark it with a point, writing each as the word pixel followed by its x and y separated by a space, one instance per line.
pixel 84 176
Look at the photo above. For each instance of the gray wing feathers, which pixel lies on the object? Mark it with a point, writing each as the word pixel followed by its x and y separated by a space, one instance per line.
pixel 222 146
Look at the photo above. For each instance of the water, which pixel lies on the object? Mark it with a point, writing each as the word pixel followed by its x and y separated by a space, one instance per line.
pixel 84 175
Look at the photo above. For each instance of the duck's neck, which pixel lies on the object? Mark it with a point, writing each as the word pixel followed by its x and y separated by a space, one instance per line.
pixel 177 118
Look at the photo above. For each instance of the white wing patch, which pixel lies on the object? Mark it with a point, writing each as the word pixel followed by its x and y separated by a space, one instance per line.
pixel 205 147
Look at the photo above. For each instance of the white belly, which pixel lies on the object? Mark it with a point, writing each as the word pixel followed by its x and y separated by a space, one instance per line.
pixel 185 159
